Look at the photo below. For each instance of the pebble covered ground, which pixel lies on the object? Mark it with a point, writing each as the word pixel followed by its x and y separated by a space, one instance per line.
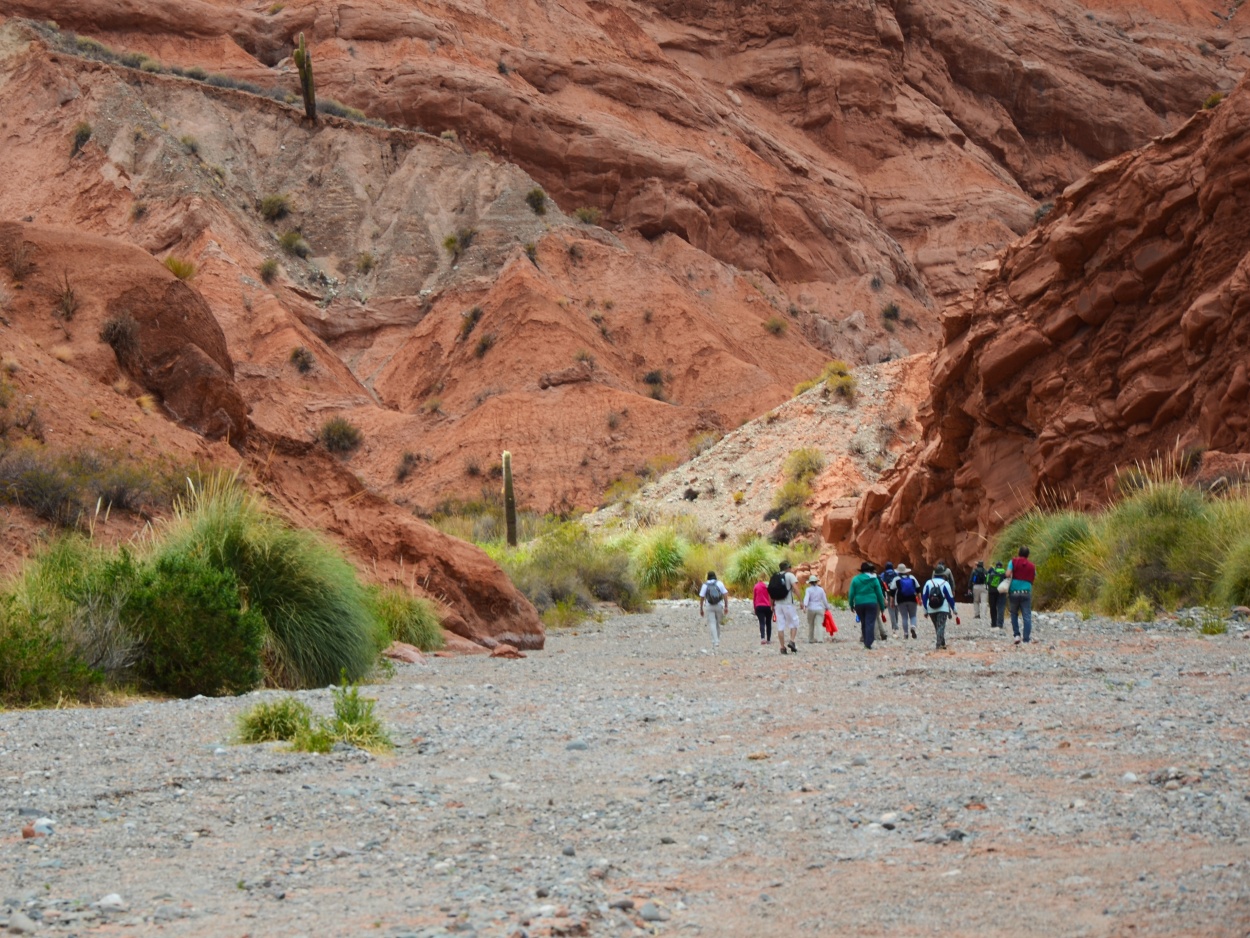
pixel 627 781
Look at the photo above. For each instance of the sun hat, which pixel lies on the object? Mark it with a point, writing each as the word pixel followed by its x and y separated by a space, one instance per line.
pixel 813 579
pixel 903 569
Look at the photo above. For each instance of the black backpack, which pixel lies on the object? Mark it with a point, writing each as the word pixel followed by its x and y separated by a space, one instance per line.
pixel 713 592
pixel 777 587
pixel 978 576
pixel 936 598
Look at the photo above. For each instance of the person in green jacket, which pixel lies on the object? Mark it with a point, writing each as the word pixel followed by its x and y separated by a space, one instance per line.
pixel 867 598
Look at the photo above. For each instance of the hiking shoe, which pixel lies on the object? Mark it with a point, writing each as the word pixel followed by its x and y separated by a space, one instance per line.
pixel 763 642
pixel 783 649
pixel 913 632
pixel 793 650
pixel 1017 639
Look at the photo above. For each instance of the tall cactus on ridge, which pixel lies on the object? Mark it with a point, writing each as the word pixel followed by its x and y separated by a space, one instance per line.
pixel 303 62
pixel 509 500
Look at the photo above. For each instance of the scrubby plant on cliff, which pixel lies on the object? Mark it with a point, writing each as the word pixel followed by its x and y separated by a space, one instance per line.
pixel 180 267
pixel 293 243
pixel 82 133
pixel 274 207
pixel 588 215
pixel 340 435
pixel 121 333
pixel 537 200
pixel 268 269
pixel 302 359
pixel 775 325
pixel 456 244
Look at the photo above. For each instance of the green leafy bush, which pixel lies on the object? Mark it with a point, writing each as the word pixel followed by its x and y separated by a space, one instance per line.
pixel 180 268
pixel 775 325
pixel 198 638
pixel 803 465
pixel 407 618
pixel 340 435
pixel 293 243
pixel 659 558
pixel 268 269
pixel 588 215
pixel 271 721
pixel 37 664
pixel 754 561
pixel 537 200
pixel 793 493
pixel 273 207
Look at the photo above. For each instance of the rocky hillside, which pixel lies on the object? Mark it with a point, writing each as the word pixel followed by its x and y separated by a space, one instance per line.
pixel 1116 331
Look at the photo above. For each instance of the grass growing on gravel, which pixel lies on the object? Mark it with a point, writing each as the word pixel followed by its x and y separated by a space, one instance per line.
pixel 290 720
pixel 1163 544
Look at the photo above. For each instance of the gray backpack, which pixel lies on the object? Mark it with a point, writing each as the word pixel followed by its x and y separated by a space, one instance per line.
pixel 713 594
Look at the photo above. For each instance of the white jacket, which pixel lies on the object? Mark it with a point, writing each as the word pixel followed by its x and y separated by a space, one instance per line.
pixel 814 598
pixel 948 598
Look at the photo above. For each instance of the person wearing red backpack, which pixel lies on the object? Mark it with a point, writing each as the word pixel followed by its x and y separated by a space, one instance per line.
pixel 1022 573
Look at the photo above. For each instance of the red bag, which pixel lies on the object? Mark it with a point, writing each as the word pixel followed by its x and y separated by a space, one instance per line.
pixel 830 625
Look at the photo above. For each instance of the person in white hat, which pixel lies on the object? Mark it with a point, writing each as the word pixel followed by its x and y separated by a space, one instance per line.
pixel 906 593
pixel 815 602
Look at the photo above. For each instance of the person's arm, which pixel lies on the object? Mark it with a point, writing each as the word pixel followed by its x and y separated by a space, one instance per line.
pixel 725 591
pixel 702 590
pixel 880 593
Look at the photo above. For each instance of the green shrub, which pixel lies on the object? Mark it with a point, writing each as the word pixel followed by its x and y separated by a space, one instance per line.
pixel 82 133
pixel 889 312
pixel 754 561
pixel 588 215
pixel 1140 610
pixel 844 386
pixel 1232 587
pixel 407 618
pixel 567 565
pixel 270 721
pixel 355 723
pixel 365 262
pixel 793 493
pixel 775 325
pixel 659 558
pixel 791 523
pixel 37 664
pixel 537 200
pixel 293 243
pixel 340 435
pixel 273 207
pixel 484 345
pixel 700 443
pixel 456 244
pixel 268 269
pixel 1212 101
pixel 198 637
pixel 180 268
pixel 191 145
pixel 803 465
pixel 316 612
pixel 32 480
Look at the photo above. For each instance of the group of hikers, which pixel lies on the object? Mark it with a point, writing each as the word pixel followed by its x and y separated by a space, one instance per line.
pixel 890 598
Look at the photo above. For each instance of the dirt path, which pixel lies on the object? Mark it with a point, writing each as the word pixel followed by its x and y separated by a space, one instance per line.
pixel 988 790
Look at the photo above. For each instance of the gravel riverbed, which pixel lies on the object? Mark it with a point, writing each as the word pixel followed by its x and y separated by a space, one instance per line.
pixel 627 781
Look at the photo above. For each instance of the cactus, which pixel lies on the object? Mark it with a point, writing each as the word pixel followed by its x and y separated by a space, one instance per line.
pixel 509 500
pixel 303 62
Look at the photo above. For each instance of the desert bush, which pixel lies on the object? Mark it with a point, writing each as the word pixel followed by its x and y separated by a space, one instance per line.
pixel 180 268
pixel 67 301
pixel 21 260
pixel 843 386
pixel 198 637
pixel 32 479
pixel 302 359
pixel 659 558
pixel 654 378
pixel 138 209
pixel 583 357
pixel 1042 211
pixel 280 720
pixel 739 497
pixel 37 665
pixel 775 325
pixel 702 442
pixel 536 199
pixel 469 320
pixel 803 465
pixel 354 722
pixel 588 215
pixel 340 435
pixel 484 344
pixel 82 133
pixel 316 612
pixel 293 243
pixel 407 618
pixel 191 145
pixel 338 109
pixel 456 244
pixel 407 463
pixel 121 333
pixel 365 262
pixel 792 523
pixel 274 207
pixel 793 493
pixel 756 560
pixel 268 269
pixel 1232 586
pixel 531 251
pixel 1212 101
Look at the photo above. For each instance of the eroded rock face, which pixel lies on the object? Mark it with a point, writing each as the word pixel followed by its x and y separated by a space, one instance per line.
pixel 1117 331
pixel 177 350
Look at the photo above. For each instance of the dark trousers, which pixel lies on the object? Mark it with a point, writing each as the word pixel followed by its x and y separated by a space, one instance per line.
pixel 868 616
pixel 996 609
pixel 1021 604
pixel 939 627
pixel 765 615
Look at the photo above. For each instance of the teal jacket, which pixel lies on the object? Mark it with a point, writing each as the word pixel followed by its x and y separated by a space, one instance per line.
pixel 865 590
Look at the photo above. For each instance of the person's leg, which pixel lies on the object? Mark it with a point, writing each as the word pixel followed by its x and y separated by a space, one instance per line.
pixel 909 617
pixel 892 608
pixel 1013 603
pixel 939 626
pixel 713 616
pixel 811 625
pixel 995 608
pixel 867 623
pixel 1026 607
pixel 759 617
pixel 768 624
pixel 978 600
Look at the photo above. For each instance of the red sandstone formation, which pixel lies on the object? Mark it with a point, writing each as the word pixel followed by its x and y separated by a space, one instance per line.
pixel 1117 331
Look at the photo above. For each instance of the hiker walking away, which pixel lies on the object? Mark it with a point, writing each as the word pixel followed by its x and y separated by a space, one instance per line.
pixel 945 574
pixel 978 588
pixel 1020 594
pixel 815 602
pixel 888 576
pixel 906 595
pixel 781 588
pixel 764 611
pixel 716 594
pixel 867 598
pixel 998 600
pixel 939 603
